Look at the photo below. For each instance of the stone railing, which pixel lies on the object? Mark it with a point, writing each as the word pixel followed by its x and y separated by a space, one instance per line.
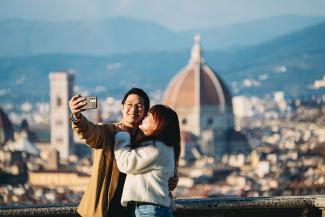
pixel 302 206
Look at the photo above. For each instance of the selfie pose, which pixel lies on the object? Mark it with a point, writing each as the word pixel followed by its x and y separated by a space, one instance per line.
pixel 103 194
pixel 150 164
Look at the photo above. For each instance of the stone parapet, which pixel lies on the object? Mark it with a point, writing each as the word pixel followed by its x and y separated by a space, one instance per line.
pixel 293 206
pixel 64 210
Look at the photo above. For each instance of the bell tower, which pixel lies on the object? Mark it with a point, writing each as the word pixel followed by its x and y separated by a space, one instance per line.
pixel 61 90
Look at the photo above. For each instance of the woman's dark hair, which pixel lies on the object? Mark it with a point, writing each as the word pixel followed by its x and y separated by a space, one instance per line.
pixel 140 93
pixel 167 129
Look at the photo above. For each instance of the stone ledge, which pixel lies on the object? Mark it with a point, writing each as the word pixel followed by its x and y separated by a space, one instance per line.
pixel 295 206
pixel 290 202
pixel 63 210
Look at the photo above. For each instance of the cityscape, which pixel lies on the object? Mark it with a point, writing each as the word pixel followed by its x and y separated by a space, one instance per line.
pixel 248 88
pixel 264 146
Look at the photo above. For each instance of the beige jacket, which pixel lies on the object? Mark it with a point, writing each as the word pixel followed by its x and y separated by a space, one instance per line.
pixel 148 169
pixel 105 174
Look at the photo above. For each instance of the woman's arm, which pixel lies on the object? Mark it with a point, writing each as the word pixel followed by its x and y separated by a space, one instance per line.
pixel 133 161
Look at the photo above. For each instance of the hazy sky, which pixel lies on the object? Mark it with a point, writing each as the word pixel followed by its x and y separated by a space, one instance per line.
pixel 174 14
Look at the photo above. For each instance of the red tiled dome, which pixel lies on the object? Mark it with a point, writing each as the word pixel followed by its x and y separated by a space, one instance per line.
pixel 197 84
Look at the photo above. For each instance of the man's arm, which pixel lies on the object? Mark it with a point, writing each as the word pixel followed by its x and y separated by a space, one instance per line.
pixel 173 181
pixel 92 134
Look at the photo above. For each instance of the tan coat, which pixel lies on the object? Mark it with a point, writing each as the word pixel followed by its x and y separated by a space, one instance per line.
pixel 105 174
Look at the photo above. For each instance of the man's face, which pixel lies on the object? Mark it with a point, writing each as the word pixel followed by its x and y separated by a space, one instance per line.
pixel 132 110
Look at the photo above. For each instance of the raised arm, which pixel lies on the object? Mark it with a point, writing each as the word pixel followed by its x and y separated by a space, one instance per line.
pixel 133 161
pixel 92 134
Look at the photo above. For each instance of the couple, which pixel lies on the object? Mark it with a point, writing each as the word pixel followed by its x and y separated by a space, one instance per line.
pixel 148 154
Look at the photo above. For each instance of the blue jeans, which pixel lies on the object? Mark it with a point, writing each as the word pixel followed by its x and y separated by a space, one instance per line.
pixel 151 210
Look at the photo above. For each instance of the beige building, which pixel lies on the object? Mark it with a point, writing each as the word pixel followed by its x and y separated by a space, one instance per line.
pixel 61 90
pixel 59 179
pixel 204 105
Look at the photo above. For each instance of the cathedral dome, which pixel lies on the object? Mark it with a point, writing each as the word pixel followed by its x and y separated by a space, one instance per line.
pixel 197 85
pixel 204 107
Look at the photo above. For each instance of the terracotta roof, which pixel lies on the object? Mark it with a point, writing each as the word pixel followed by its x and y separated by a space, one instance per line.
pixel 197 84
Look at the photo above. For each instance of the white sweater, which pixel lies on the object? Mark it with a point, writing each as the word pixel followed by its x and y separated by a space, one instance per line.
pixel 148 169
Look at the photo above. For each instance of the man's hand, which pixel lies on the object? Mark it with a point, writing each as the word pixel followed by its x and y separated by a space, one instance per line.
pixel 75 105
pixel 121 127
pixel 172 182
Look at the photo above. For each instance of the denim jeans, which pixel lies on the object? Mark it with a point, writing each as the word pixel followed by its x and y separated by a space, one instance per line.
pixel 151 210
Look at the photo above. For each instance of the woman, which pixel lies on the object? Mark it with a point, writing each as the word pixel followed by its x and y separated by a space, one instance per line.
pixel 149 166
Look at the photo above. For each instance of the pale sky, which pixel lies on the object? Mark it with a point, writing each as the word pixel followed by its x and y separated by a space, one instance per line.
pixel 174 14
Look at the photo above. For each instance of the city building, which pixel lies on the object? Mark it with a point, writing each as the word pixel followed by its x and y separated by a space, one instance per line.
pixel 61 90
pixel 204 105
pixel 6 129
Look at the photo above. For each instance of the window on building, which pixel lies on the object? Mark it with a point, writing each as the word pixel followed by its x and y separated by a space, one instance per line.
pixel 58 101
pixel 210 121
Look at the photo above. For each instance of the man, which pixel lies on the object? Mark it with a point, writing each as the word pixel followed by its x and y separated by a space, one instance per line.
pixel 103 194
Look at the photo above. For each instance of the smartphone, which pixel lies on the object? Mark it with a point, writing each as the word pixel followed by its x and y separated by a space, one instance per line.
pixel 91 103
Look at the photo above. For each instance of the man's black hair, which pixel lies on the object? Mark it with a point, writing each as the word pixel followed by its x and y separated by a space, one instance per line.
pixel 140 93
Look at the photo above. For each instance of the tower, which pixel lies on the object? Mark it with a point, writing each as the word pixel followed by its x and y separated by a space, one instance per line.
pixel 61 90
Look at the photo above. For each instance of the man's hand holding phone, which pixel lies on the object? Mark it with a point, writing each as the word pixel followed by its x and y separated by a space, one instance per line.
pixel 79 103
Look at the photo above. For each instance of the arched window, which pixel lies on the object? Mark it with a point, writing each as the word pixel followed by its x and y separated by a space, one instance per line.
pixel 58 101
pixel 210 121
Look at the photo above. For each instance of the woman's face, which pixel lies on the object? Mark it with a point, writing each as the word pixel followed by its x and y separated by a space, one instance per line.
pixel 148 124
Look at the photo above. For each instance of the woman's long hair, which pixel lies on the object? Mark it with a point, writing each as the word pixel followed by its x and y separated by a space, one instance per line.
pixel 167 129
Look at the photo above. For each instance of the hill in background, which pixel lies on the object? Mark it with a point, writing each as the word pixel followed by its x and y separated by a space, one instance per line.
pixel 125 35
pixel 288 63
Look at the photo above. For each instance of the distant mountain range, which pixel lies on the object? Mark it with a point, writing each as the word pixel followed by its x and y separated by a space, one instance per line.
pixel 125 35
pixel 288 63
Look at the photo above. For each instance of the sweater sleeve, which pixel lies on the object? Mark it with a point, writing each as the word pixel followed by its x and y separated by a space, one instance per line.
pixel 92 134
pixel 133 161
